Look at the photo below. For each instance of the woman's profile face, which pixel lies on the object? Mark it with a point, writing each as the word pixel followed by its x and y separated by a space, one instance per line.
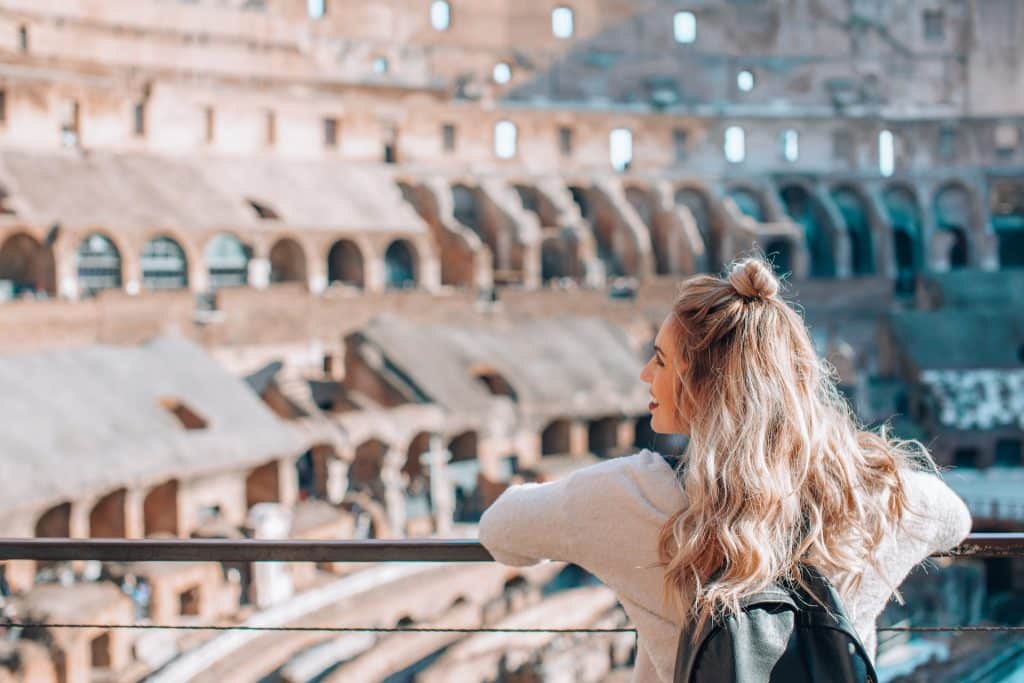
pixel 662 374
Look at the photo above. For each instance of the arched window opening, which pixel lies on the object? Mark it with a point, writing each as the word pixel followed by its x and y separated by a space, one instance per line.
pixel 440 15
pixel 505 139
pixel 1006 202
pixel 164 266
pixel 502 73
pixel 107 518
pixel 953 215
pixel 886 153
pixel 641 202
pixel 745 80
pixel 789 145
pixel 160 510
pixel 555 259
pixel 735 145
pixel 367 467
pixel 620 146
pixel 28 265
pixel 562 22
pixel 697 203
pixel 603 436
pixel 556 439
pixel 579 197
pixel 400 265
pixel 854 211
pixel 99 265
pixel 227 261
pixel 684 27
pixel 463 447
pixel 465 207
pixel 748 202
pixel 807 212
pixel 287 262
pixel 905 219
pixel 345 264
pixel 263 485
pixel 495 383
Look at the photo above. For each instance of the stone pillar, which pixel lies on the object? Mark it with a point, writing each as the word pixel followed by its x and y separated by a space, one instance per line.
pixel 625 434
pixel 442 492
pixel 394 491
pixel 271 581
pixel 67 275
pixel 287 482
pixel 374 273
pixel 337 480
pixel 578 434
pixel 259 273
pixel 134 520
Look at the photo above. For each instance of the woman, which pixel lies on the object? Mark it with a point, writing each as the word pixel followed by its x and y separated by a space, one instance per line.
pixel 777 473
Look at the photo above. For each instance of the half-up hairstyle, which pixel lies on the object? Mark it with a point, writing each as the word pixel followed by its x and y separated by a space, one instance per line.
pixel 778 472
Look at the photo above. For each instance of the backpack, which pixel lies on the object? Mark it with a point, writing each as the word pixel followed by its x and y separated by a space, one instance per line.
pixel 781 634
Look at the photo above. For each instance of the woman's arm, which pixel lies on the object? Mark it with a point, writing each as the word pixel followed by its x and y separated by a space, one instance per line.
pixel 526 524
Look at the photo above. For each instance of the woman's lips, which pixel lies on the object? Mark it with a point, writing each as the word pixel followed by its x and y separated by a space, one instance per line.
pixel 652 405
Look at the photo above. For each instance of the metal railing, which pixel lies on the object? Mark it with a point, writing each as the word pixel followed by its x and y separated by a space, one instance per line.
pixel 978 545
pixel 981 545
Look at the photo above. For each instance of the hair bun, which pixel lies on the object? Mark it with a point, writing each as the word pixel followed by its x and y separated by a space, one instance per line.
pixel 753 278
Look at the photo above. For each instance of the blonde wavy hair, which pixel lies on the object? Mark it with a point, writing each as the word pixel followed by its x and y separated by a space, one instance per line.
pixel 778 472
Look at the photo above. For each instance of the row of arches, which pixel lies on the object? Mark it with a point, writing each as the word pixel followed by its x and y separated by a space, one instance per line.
pixel 100 265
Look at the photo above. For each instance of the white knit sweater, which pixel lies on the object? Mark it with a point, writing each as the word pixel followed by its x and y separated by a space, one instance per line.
pixel 606 518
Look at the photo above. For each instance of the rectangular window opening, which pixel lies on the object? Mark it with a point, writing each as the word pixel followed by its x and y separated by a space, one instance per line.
pixel 331 133
pixel 565 141
pixel 448 137
pixel 210 124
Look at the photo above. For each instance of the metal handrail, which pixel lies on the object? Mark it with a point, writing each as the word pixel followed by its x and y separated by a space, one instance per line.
pixel 978 545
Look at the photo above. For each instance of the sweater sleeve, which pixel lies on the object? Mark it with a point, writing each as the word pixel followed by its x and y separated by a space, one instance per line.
pixel 947 520
pixel 527 524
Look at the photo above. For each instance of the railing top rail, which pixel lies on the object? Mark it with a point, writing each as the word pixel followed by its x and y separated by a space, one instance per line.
pixel 410 550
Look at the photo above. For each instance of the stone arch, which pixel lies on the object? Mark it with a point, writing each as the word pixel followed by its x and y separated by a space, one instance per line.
pixel 1006 207
pixel 464 446
pixel 164 264
pixel 603 436
pixel 854 208
pixel 537 203
pixel 29 265
pixel 953 207
pixel 263 484
pixel 580 199
pixel 55 522
pixel 468 210
pixel 556 258
pixel 160 510
pixel 642 202
pixel 699 205
pixel 748 200
pixel 664 236
pixel 401 265
pixel 98 264
pixel 418 446
pixel 288 262
pixel 227 261
pixel 556 439
pixel 345 264
pixel 806 211
pixel 904 215
pixel 107 517
pixel 367 469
